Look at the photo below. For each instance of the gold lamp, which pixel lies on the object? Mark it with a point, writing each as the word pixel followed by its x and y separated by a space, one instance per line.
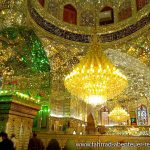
pixel 118 114
pixel 95 79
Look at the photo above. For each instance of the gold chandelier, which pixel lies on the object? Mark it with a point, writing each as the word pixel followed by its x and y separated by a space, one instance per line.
pixel 118 114
pixel 95 79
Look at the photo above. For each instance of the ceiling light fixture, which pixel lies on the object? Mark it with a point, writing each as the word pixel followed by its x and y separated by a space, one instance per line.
pixel 118 114
pixel 95 79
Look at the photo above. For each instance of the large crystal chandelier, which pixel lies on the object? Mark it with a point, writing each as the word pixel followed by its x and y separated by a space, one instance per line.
pixel 95 79
pixel 118 114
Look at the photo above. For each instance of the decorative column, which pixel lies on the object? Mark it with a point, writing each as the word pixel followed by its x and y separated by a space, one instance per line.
pixel 116 11
pixel 16 116
pixel 46 6
pixel 134 7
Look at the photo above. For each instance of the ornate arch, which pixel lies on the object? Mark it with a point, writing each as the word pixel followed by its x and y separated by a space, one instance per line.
pixel 142 115
pixel 141 3
pixel 70 14
pixel 107 16
pixel 125 10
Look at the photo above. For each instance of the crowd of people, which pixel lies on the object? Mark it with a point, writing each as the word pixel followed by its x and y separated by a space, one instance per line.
pixel 34 143
pixel 12 143
pixel 8 144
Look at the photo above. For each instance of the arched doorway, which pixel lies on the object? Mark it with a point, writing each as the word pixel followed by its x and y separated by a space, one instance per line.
pixel 70 14
pixel 142 115
pixel 107 16
pixel 141 3
pixel 125 10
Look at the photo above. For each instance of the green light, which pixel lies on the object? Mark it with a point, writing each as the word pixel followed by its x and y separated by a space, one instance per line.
pixel 29 61
pixel 28 47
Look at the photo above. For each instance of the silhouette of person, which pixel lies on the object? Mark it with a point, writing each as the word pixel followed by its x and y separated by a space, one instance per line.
pixel 6 143
pixel 35 143
pixel 53 145
pixel 15 141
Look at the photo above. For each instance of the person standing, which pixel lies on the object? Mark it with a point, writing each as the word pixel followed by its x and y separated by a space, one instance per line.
pixel 53 145
pixel 35 143
pixel 6 143
pixel 15 141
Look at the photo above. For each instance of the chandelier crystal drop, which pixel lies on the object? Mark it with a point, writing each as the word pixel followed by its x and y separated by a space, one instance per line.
pixel 95 79
pixel 118 114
